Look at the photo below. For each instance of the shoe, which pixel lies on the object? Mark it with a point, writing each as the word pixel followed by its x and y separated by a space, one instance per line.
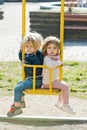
pixel 58 105
pixel 68 109
pixel 14 111
pixel 23 104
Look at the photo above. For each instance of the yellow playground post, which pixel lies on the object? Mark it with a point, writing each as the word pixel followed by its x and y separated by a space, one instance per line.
pixel 23 18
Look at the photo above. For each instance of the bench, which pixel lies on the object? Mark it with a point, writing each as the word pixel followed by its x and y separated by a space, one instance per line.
pixel 75 28
pixel 77 22
pixel 76 17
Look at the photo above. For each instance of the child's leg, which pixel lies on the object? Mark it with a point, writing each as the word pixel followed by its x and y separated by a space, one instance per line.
pixel 64 96
pixel 60 99
pixel 22 98
pixel 18 91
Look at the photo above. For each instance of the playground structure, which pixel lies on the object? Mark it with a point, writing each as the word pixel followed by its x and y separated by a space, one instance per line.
pixel 50 23
pixel 42 91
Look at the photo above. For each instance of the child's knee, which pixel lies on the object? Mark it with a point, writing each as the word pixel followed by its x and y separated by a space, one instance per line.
pixel 18 88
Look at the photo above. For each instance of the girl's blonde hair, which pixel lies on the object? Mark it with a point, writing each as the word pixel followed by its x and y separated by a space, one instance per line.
pixel 50 40
pixel 34 38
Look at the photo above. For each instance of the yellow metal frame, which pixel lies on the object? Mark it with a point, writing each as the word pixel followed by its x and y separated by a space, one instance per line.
pixel 46 91
pixel 49 91
pixel 23 18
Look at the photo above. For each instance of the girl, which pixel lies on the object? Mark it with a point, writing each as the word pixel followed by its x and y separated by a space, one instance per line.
pixel 50 50
pixel 33 56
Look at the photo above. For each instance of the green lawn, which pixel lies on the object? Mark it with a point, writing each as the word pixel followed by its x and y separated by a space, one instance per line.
pixel 74 73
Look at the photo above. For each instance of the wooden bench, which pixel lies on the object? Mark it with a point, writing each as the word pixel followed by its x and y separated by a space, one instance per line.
pixel 76 17
pixel 78 22
pixel 75 28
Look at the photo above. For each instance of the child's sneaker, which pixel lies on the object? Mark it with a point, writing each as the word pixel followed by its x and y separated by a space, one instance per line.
pixel 23 104
pixel 14 111
pixel 68 109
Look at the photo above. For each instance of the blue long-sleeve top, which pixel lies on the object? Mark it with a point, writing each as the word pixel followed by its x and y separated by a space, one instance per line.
pixel 32 59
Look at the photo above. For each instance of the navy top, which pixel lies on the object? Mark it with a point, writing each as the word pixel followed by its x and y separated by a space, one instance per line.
pixel 32 59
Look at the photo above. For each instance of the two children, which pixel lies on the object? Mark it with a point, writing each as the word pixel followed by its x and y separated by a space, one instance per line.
pixel 33 56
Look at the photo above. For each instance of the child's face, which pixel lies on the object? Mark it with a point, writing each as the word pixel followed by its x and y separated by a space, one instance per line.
pixel 52 49
pixel 30 48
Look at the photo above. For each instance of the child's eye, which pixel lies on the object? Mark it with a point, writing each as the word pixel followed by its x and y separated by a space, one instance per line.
pixel 54 48
pixel 27 46
pixel 49 47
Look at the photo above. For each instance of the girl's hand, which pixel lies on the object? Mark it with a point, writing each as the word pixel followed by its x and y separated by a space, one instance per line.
pixel 61 64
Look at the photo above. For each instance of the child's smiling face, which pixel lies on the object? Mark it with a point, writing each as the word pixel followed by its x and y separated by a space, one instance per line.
pixel 52 49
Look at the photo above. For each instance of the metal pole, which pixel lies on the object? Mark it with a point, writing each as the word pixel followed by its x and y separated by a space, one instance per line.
pixel 23 17
pixel 23 31
pixel 61 35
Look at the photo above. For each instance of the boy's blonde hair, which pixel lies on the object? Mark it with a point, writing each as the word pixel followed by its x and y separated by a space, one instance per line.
pixel 50 40
pixel 34 38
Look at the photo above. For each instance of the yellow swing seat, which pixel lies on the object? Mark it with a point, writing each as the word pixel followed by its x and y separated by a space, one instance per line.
pixel 40 91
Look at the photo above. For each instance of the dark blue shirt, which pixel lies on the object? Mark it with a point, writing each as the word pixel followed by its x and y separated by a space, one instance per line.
pixel 32 59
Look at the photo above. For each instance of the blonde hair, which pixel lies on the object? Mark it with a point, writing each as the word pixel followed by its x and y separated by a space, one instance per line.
pixel 34 38
pixel 50 40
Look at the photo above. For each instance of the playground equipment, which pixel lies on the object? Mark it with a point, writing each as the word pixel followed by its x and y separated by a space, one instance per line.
pixel 50 90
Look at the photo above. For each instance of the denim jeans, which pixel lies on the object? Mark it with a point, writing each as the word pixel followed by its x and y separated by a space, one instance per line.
pixel 22 85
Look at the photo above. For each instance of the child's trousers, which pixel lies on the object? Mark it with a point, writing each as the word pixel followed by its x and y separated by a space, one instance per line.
pixel 22 85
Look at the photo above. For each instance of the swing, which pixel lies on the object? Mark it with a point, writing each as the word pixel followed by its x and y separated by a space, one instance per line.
pixel 50 90
pixel 41 91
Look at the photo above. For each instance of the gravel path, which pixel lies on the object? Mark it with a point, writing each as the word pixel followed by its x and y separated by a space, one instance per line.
pixel 10 37
pixel 44 106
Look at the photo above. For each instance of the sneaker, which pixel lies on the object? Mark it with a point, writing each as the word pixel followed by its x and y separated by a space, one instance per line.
pixel 14 111
pixel 23 104
pixel 68 109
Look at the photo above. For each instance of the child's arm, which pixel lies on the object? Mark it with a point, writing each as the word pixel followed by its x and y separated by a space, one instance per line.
pixel 20 52
pixel 20 55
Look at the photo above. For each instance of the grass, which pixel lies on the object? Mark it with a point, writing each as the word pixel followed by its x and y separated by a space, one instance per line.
pixel 74 73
